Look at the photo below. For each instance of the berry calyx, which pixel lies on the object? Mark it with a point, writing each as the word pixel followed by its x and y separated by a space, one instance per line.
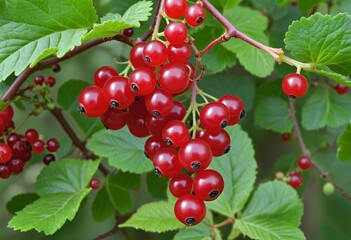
pixel 294 85
pixel 304 162
pixel 208 184
pixel 190 210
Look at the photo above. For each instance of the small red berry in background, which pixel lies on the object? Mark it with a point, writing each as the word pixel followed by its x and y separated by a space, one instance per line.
pixel 39 80
pixel 48 158
pixel 128 32
pixel 94 183
pixel 50 81
pixel 341 88
pixel 295 180
pixel 304 162
pixel 294 85
pixel 286 137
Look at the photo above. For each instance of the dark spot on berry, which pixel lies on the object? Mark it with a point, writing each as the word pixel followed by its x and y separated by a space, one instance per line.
pixel 195 165
pixel 157 172
pixel 137 98
pixel 114 104
pixel 224 124
pixel 227 150
pixel 147 59
pixel 134 87
pixel 190 221
pixel 213 194
pixel 146 154
pixel 292 96
pixel 125 110
pixel 199 19
pixel 169 142
pixel 242 114
pixel 156 113
pixel 81 109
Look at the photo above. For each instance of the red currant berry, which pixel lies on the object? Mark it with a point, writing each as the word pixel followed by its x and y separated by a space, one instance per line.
pixel 11 138
pixel 5 172
pixel 180 185
pixel 142 81
pixel 178 111
pixel 286 137
pixel 208 184
pixel 304 162
pixel 190 210
pixel 159 103
pixel 138 107
pixel 15 165
pixel 39 80
pixel 155 124
pixel 136 55
pixel 94 183
pixel 50 81
pixel 103 74
pixel 38 146
pixel 214 116
pixel 176 33
pixel 7 114
pixel 114 119
pixel 137 125
pixel 118 92
pixel 173 78
pixel 128 32
pixel 52 145
pixel 175 8
pixel 341 88
pixel 294 85
pixel 27 156
pixel 166 162
pixel 195 15
pixel 153 144
pixel 18 148
pixel 179 54
pixel 155 53
pixel 31 135
pixel 92 102
pixel 5 153
pixel 235 106
pixel 219 143
pixel 295 181
pixel 175 133
pixel 48 158
pixel 195 155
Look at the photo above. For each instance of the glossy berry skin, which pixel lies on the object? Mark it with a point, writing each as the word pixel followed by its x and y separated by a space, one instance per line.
pixel 195 15
pixel 235 106
pixel 175 133
pixel 166 162
pixel 114 119
pixel 52 145
pixel 155 124
pixel 5 172
pixel 103 74
pixel 219 143
pixel 117 91
pixel 138 107
pixel 15 165
pixel 180 185
pixel 92 102
pixel 153 144
pixel 94 183
pixel 176 33
pixel 295 180
pixel 50 81
pixel 175 8
pixel 128 32
pixel 137 125
pixel 304 162
pixel 39 80
pixel 208 184
pixel 190 210
pixel 7 113
pixel 5 153
pixel 173 78
pixel 294 85
pixel 214 116
pixel 142 81
pixel 136 55
pixel 341 88
pixel 178 111
pixel 19 148
pixel 48 158
pixel 159 103
pixel 179 54
pixel 31 135
pixel 155 53
pixel 38 146
pixel 195 155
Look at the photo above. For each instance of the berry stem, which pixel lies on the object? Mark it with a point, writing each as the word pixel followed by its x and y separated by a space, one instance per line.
pixel 158 20
pixel 150 31
pixel 299 65
pixel 305 152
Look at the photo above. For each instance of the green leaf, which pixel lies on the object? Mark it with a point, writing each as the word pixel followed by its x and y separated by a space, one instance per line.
pixel 123 150
pixel 154 217
pixel 33 30
pixel 325 71
pixel 238 169
pixel 18 202
pixel 157 186
pixel 112 24
pixel 322 40
pixel 326 108
pixel 273 113
pixel 198 232
pixel 218 59
pixel 306 6
pixel 68 99
pixel 61 186
pixel 102 207
pixel 344 143
pixel 274 213
pixel 252 23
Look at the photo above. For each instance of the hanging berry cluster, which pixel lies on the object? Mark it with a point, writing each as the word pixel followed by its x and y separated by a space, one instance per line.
pixel 182 142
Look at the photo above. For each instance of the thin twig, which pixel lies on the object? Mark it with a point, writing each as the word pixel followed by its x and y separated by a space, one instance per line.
pixel 149 32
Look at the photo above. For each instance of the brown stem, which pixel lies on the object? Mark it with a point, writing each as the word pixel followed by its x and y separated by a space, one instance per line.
pixel 119 220
pixel 149 32
pixel 108 233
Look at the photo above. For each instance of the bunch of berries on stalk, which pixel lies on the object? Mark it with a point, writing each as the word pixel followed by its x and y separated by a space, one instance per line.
pixel 181 143
pixel 16 149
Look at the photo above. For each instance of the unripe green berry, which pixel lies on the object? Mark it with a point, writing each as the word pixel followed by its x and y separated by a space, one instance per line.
pixel 328 188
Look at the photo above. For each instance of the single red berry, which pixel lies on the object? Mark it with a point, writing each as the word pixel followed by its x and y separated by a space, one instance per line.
pixel 178 111
pixel 136 55
pixel 5 153
pixel 31 135
pixel 235 106
pixel 295 181
pixel 155 124
pixel 118 93
pixel 175 133
pixel 52 145
pixel 94 183
pixel 50 81
pixel 190 210
pixel 153 144
pixel 155 53
pixel 137 125
pixel 180 185
pixel 208 184
pixel 219 143
pixel 175 8
pixel 39 80
pixel 304 162
pixel 195 15
pixel 18 148
pixel 128 32
pixel 195 155
pixel 114 119
pixel 294 85
pixel 286 137
pixel 214 116
pixel 159 103
pixel 38 146
pixel 173 78
pixel 10 126
pixel 103 74
pixel 176 33
pixel 92 102
pixel 7 114
pixel 341 88
pixel 179 54
pixel 166 162
pixel 15 165
pixel 11 138
pixel 5 172
pixel 48 158
pixel 142 81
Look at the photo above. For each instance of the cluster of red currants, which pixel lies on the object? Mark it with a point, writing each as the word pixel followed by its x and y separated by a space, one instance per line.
pixel 16 149
pixel 144 101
